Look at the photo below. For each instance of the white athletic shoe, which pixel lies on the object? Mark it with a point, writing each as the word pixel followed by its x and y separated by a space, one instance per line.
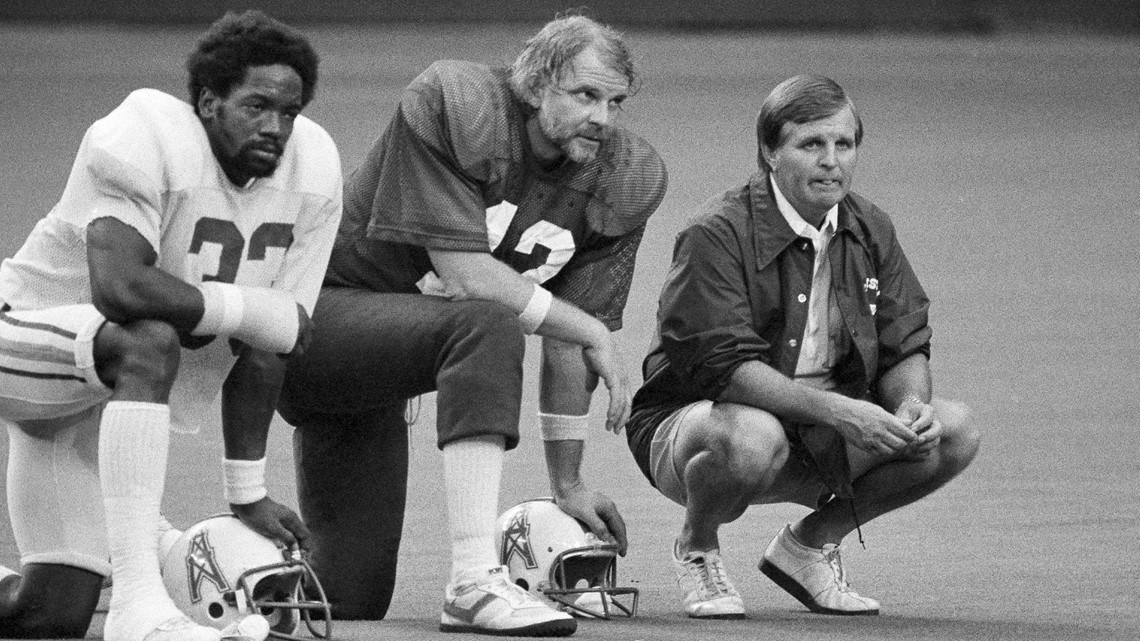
pixel 708 592
pixel 180 628
pixel 487 602
pixel 815 577
pixel 252 628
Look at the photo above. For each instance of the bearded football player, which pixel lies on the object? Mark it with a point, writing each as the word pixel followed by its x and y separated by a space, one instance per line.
pixel 497 203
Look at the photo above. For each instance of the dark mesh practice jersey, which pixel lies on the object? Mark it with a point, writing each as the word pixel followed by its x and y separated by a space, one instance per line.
pixel 454 171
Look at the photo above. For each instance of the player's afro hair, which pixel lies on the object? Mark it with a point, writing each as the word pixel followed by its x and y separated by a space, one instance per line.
pixel 237 42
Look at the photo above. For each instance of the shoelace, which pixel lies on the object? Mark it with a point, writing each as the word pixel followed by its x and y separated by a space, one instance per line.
pixel 831 553
pixel 711 575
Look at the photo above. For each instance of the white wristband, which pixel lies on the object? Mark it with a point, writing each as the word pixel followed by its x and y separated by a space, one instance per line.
pixel 244 481
pixel 536 310
pixel 224 305
pixel 269 321
pixel 560 427
pixel 262 317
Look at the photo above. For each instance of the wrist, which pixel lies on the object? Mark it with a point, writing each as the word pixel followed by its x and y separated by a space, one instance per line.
pixel 911 400
pixel 533 315
pixel 243 481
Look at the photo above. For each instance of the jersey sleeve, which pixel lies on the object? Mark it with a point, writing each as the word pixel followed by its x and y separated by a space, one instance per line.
pixel 432 161
pixel 124 157
pixel 597 279
pixel 631 185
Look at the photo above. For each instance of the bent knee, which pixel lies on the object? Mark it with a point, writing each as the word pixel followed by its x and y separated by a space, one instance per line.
pixel 746 444
pixel 491 327
pixel 151 338
pixel 961 438
pixel 145 350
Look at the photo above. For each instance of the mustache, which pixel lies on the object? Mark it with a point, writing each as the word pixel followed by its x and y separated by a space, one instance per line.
pixel 267 146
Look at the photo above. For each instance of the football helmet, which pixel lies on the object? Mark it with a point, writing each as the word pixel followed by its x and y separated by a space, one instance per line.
pixel 553 555
pixel 219 571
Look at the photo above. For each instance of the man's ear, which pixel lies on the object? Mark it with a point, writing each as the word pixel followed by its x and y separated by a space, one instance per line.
pixel 768 155
pixel 532 95
pixel 207 103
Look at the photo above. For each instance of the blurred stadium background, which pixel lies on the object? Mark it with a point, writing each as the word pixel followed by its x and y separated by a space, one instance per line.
pixel 977 16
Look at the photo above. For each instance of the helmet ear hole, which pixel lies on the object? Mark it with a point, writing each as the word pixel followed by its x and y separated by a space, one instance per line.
pixel 216 610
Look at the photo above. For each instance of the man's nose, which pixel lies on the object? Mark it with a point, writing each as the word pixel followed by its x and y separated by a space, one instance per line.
pixel 272 124
pixel 600 113
pixel 828 158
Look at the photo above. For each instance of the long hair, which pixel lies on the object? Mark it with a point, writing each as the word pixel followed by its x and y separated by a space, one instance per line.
pixel 546 57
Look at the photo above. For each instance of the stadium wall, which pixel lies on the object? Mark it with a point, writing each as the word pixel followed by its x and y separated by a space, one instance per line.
pixel 979 16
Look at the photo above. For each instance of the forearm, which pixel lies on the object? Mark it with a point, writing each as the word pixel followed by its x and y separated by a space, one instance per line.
pixel 249 398
pixel 564 465
pixel 478 276
pixel 566 384
pixel 910 377
pixel 759 385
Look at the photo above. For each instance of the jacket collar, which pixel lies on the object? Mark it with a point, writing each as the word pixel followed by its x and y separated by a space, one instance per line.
pixel 772 234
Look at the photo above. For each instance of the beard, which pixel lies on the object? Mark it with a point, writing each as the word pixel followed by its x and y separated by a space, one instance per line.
pixel 255 164
pixel 569 139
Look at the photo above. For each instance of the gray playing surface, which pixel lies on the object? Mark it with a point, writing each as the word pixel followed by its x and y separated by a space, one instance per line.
pixel 1010 167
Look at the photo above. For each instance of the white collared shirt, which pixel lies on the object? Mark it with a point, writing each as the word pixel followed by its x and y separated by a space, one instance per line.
pixel 817 349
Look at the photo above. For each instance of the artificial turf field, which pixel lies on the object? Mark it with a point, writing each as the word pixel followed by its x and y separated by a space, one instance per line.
pixel 1009 164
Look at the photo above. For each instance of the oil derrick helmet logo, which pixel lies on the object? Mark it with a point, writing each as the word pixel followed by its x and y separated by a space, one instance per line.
pixel 202 566
pixel 516 540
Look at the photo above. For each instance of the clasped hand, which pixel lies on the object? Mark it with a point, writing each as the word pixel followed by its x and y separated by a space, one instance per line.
pixel 913 430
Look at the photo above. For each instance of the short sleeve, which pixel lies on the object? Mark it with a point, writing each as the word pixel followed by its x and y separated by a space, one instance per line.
pixel 435 157
pixel 124 162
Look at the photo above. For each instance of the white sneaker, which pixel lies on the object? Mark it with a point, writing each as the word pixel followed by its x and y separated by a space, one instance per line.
pixel 488 603
pixel 178 628
pixel 252 628
pixel 708 592
pixel 815 577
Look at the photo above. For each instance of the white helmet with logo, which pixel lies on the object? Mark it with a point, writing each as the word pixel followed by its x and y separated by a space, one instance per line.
pixel 553 555
pixel 219 571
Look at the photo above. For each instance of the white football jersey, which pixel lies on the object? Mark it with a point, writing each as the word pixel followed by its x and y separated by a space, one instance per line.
pixel 149 164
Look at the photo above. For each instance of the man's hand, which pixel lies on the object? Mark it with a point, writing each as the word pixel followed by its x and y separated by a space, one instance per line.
pixel 873 429
pixel 605 361
pixel 271 519
pixel 304 333
pixel 921 419
pixel 599 514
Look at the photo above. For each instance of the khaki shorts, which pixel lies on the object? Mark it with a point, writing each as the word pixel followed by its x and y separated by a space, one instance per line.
pixel 797 483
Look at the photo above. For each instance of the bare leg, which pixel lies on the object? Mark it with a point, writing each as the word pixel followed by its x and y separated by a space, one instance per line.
pixel 889 485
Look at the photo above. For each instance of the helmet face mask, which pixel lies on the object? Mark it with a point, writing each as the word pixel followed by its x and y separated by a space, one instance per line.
pixel 552 555
pixel 219 571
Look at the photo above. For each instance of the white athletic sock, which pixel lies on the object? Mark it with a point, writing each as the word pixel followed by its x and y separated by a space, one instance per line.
pixel 133 442
pixel 167 536
pixel 471 469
